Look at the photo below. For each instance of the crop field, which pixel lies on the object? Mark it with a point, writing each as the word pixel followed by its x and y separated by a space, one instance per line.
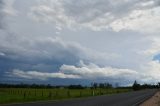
pixel 17 95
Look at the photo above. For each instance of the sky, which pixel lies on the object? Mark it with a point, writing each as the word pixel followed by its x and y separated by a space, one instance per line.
pixel 79 41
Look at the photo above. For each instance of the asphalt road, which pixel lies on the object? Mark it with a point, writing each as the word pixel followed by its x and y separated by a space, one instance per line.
pixel 123 99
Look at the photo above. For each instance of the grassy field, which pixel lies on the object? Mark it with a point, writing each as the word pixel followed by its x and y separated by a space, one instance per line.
pixel 17 95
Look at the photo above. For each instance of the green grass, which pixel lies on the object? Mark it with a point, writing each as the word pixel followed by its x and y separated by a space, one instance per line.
pixel 19 95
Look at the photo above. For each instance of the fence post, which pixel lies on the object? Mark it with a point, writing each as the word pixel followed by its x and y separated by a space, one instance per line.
pixel 68 93
pixel 80 93
pixel 35 93
pixel 24 95
pixel 93 93
pixel 42 93
pixel 50 94
pixel 56 93
pixel 29 92
pixel 100 93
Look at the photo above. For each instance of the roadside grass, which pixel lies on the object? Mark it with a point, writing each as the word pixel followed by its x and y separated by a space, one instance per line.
pixel 20 95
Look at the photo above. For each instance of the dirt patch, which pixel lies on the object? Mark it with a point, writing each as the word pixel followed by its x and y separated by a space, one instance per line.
pixel 153 101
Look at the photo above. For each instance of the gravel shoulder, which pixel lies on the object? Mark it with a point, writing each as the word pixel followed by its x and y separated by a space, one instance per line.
pixel 153 101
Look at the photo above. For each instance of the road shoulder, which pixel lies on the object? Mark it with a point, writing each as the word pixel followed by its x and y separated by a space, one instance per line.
pixel 153 101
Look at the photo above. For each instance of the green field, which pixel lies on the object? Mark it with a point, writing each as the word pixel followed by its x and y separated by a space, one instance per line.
pixel 17 95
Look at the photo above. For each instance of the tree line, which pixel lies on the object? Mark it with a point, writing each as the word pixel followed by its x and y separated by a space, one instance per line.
pixel 137 86
pixel 94 85
pixel 78 86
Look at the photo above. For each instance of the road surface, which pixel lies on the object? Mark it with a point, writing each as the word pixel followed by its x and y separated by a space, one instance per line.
pixel 123 99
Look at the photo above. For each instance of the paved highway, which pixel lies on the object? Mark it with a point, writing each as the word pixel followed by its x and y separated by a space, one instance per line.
pixel 123 99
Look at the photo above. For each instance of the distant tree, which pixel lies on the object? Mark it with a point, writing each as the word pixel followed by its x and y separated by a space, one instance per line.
pixel 94 85
pixel 49 86
pixel 136 86
pixel 101 85
pixel 108 85
pixel 158 84
pixel 75 87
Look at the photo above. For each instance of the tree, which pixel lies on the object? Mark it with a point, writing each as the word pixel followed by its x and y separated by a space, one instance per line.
pixel 94 85
pixel 136 86
pixel 101 85
pixel 158 84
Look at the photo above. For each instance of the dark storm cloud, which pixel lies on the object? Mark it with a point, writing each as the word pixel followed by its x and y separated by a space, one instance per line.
pixel 28 54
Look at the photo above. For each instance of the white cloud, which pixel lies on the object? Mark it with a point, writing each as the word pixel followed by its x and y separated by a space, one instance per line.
pixel 152 70
pixel 114 55
pixel 83 71
pixel 2 54
pixel 98 15
pixel 8 8
pixel 39 75
pixel 149 73
pixel 144 21
pixel 154 47
pixel 92 71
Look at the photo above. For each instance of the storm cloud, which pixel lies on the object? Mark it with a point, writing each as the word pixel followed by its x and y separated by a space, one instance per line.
pixel 79 40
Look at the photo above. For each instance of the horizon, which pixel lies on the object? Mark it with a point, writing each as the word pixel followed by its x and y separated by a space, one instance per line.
pixel 78 42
